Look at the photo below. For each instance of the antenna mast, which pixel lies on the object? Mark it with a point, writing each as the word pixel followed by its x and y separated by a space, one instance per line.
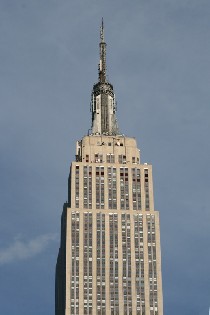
pixel 102 63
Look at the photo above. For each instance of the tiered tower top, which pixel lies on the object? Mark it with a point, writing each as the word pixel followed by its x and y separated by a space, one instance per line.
pixel 103 104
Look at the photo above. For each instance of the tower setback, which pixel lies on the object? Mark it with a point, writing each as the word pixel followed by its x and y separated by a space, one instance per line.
pixel 109 259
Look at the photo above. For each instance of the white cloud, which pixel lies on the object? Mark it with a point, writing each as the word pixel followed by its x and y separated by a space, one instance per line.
pixel 21 250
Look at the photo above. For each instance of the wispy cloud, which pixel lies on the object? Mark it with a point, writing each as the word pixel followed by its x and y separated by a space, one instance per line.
pixel 20 250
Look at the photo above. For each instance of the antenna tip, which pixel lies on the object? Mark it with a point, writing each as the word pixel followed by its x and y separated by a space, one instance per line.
pixel 102 30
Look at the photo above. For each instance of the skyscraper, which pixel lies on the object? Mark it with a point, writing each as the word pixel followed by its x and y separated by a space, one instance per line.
pixel 109 260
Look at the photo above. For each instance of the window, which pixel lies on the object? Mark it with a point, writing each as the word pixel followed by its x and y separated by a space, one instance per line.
pixel 110 158
pixel 122 159
pixel 98 158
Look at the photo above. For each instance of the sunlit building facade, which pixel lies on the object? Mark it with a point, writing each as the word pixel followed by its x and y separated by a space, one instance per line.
pixel 109 260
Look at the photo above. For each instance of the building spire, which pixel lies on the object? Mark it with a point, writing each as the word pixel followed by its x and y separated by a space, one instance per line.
pixel 102 62
pixel 102 30
pixel 103 105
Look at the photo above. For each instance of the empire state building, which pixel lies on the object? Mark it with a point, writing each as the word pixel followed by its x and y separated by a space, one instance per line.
pixel 109 259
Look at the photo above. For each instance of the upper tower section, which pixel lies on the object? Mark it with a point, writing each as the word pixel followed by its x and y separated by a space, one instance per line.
pixel 103 104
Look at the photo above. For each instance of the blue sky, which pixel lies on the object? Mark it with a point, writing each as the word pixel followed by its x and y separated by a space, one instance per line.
pixel 158 58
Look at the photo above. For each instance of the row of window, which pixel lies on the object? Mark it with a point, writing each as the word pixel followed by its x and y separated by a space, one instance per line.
pixel 146 188
pixel 87 187
pixel 114 263
pixel 112 187
pixel 100 187
pixel 124 189
pixel 77 187
pixel 101 290
pixel 87 263
pixel 75 263
pixel 111 177
pixel 113 252
pixel 151 241
pixel 139 258
pixel 136 188
pixel 126 253
pixel 110 158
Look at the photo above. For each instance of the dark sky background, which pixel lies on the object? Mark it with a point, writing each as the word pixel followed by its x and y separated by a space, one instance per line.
pixel 158 58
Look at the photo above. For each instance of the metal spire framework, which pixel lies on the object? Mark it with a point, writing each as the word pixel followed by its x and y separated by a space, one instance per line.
pixel 103 105
pixel 102 63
